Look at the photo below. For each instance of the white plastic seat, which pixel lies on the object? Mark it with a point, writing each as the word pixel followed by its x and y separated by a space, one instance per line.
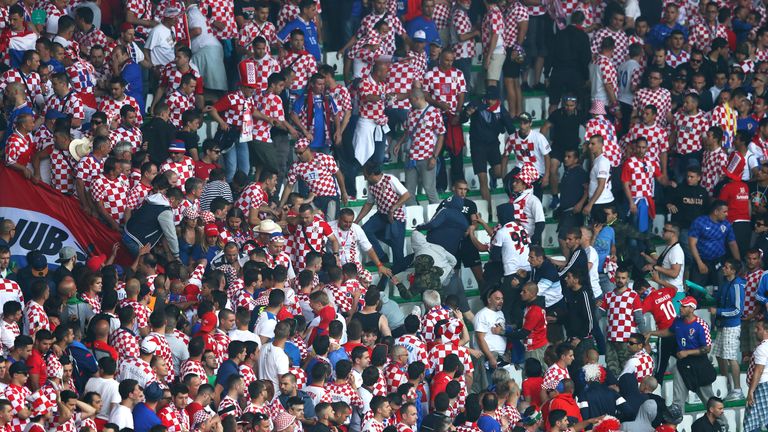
pixel 685 425
pixel 414 216
pixel 482 209
pixel 362 187
pixel 720 387
pixel 549 236
pixel 431 210
pixel 468 279
pixel 472 181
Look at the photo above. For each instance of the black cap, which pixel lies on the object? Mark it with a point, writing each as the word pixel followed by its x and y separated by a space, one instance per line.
pixel 525 117
pixel 18 368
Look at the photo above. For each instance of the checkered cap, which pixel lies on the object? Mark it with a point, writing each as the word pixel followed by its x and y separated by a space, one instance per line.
pixel 528 174
pixel 201 417
pixel 191 213
pixel 301 144
pixel 207 217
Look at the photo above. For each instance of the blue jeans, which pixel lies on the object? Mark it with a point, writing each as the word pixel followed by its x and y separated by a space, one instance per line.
pixel 392 234
pixel 237 159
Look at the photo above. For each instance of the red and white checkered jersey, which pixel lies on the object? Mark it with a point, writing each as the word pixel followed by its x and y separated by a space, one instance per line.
pixel 184 169
pixel 599 125
pixel 607 71
pixel 467 427
pixel 314 236
pixel 440 351
pixel 301 376
pixel 639 173
pixel 395 374
pixel 245 299
pixel 761 55
pixel 689 130
pixel 18 397
pixel 222 11
pixel 657 137
pixel 92 37
pixel 674 60
pixel 370 424
pixel 445 86
pixel 462 24
pixel 621 40
pixel 233 107
pixel 403 74
pixel 530 149
pixel 343 99
pixel 402 427
pixel 111 108
pixel 171 76
pixel 385 194
pixel 192 367
pixel 319 174
pixel 179 103
pixel 660 98
pixel 493 23
pixel 138 369
pixel 42 139
pixel 111 194
pixel 304 64
pixel 251 30
pixel 702 35
pixel 288 12
pixel 751 305
pixel 441 16
pixel 174 419
pixel 342 297
pixel 141 310
pixel 35 319
pixel 10 291
pixel 253 196
pixel 373 110
pixel 261 68
pixel 144 10
pixel 229 406
pixel 553 376
pixel 388 40
pixel 93 302
pixel 82 81
pixel 417 349
pixel 620 307
pixel 19 149
pixel 424 128
pixel 125 342
pixel 248 374
pixel 641 364
pixel 129 134
pixel 712 165
pixel 136 196
pixel 271 106
pixel 32 84
pixel 515 14
pixel 430 319
pixel 164 351
pixel 71 105
pixel 335 392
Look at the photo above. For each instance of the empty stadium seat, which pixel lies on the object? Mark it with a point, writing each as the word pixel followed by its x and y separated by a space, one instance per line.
pixel 362 187
pixel 414 216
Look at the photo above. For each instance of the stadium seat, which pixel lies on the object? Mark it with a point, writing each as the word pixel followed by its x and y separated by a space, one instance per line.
pixel 549 236
pixel 472 180
pixel 414 216
pixel 362 187
pixel 685 426
pixel 431 210
pixel 720 387
pixel 482 208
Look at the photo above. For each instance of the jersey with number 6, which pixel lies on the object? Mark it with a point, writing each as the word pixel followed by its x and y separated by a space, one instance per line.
pixel 659 304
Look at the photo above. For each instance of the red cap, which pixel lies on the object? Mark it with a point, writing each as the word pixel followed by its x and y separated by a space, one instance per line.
pixel 249 73
pixel 208 323
pixel 94 263
pixel 689 301
pixel 125 26
pixel 211 230
pixel 191 290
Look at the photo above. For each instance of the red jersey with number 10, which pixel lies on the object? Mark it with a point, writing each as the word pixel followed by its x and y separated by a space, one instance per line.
pixel 659 304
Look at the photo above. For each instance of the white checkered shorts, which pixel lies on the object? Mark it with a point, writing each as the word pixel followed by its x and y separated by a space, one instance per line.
pixel 727 344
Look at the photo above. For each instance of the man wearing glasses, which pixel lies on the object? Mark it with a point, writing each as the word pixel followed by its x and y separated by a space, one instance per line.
pixel 654 95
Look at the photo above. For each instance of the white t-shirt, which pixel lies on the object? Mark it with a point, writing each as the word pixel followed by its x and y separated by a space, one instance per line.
pixel 265 325
pixel 108 389
pixel 484 321
pixel 196 19
pixel 632 9
pixel 532 209
pixel 601 169
pixel 541 148
pixel 761 358
pixel 514 253
pixel 273 363
pixel 245 336
pixel 122 416
pixel 315 393
pixel 674 256
pixel 625 72
pixel 354 236
pixel 594 278
pixel 160 44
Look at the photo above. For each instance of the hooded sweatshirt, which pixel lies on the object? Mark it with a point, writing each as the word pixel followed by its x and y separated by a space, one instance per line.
pixel 151 221
pixel 448 226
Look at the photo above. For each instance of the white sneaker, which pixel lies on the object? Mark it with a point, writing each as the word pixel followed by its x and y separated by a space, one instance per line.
pixel 735 394
pixel 416 310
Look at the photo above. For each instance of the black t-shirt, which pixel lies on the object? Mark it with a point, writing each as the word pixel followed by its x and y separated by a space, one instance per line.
pixel 691 202
pixel 245 9
pixel 565 129
pixel 703 425
pixel 191 139
pixel 467 210
pixel 572 186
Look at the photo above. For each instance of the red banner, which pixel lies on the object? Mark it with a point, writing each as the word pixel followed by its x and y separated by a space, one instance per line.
pixel 46 221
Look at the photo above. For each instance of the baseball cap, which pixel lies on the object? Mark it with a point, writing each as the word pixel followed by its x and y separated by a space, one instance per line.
pixel 525 117
pixel 53 114
pixel 211 230
pixel 148 346
pixel 65 254
pixel 171 12
pixel 208 323
pixel 689 301
pixel 94 263
pixel 419 36
pixel 153 392
pixel 38 264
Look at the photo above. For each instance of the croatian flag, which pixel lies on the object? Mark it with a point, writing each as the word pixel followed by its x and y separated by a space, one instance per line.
pixel 15 44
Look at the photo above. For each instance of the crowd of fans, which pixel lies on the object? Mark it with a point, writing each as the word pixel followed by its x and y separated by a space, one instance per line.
pixel 250 302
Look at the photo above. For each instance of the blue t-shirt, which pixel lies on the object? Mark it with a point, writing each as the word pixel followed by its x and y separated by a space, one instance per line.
pixel 425 24
pixel 293 353
pixel 712 237
pixel 488 424
pixel 690 335
pixel 226 370
pixel 318 118
pixel 144 418
pixel 603 242
pixel 311 43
